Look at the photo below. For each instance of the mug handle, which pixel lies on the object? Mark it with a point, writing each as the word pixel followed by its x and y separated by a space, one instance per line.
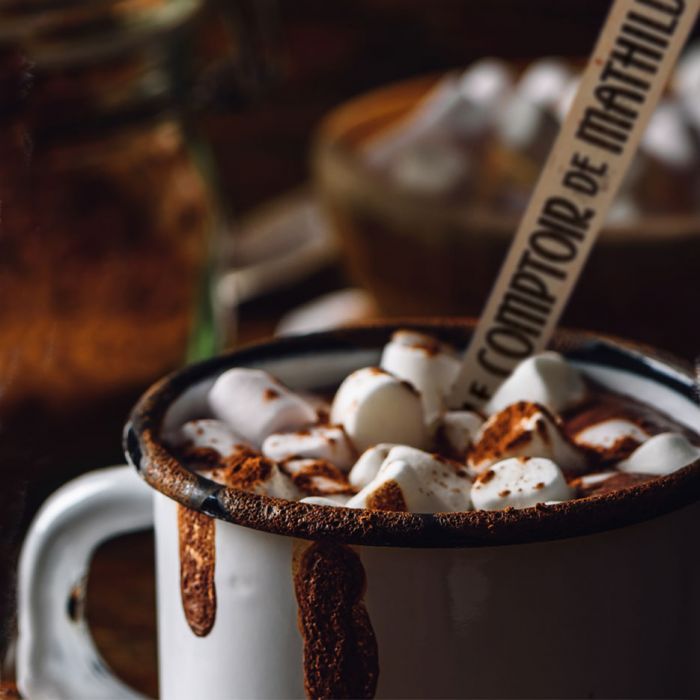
pixel 56 656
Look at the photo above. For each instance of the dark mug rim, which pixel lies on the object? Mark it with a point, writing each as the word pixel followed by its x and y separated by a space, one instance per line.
pixel 160 469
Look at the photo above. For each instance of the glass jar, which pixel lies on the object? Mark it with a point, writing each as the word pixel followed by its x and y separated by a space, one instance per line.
pixel 107 217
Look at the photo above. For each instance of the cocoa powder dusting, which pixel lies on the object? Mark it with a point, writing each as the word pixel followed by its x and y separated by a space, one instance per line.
pixel 505 431
pixel 270 394
pixel 486 476
pixel 318 478
pixel 198 457
pixel 387 497
pixel 243 470
pixel 340 655
pixel 196 533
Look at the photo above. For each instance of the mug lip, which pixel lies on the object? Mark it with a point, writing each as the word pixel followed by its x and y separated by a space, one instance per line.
pixel 164 472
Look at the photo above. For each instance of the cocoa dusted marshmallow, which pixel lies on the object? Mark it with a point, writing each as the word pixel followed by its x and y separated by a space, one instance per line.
pixel 317 477
pixel 254 473
pixel 327 442
pixel 612 439
pixel 660 455
pixel 547 379
pixel 524 429
pixel 415 481
pixel 212 434
pixel 457 430
pixel 373 406
pixel 429 365
pixel 519 483
pixel 367 466
pixel 254 405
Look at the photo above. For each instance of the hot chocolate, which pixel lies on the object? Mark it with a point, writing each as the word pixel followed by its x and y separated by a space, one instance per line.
pixel 386 440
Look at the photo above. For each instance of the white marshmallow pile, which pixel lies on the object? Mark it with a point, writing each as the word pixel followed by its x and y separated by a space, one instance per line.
pixel 495 128
pixel 372 447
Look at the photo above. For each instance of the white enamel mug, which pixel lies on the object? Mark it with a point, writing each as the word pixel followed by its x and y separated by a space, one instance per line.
pixel 598 597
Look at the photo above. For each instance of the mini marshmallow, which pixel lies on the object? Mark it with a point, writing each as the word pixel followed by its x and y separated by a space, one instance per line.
pixel 661 454
pixel 519 483
pixel 415 481
pixel 547 379
pixel 317 477
pixel 458 430
pixel 431 167
pixel 367 466
pixel 524 429
pixel 544 82
pixel 212 434
pixel 429 365
pixel 606 482
pixel 373 406
pixel 327 442
pixel 612 439
pixel 255 474
pixel 254 405
pixel 332 501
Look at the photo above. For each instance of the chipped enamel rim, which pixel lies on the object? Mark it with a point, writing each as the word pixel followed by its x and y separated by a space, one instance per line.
pixel 157 466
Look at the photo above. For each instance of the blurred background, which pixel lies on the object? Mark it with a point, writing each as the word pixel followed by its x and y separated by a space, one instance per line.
pixel 180 176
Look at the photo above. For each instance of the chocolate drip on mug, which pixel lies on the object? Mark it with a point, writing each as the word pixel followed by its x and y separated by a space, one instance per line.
pixel 197 563
pixel 340 649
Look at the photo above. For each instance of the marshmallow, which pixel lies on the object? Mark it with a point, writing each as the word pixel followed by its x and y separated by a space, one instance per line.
pixel 431 167
pixel 327 442
pixel 669 138
pixel 256 474
pixel 316 477
pixel 544 82
pixel 373 406
pixel 332 501
pixel 686 79
pixel 486 84
pixel 612 438
pixel 318 403
pixel 254 405
pixel 211 434
pixel 661 454
pixel 429 365
pixel 528 123
pixel 519 483
pixel 547 379
pixel 457 430
pixel 606 482
pixel 415 481
pixel 524 430
pixel 367 466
